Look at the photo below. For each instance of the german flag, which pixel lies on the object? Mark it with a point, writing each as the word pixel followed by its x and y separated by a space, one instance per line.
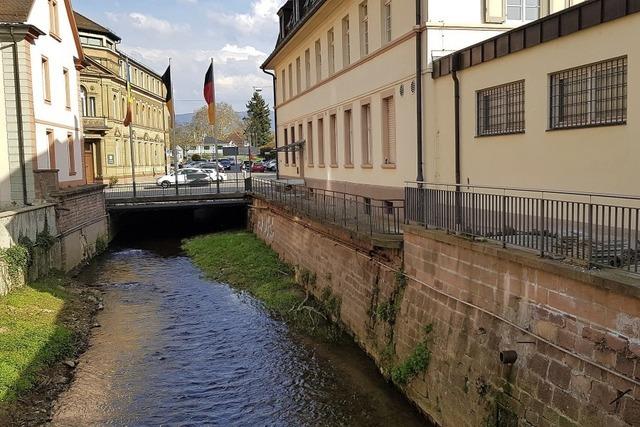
pixel 210 94
pixel 166 80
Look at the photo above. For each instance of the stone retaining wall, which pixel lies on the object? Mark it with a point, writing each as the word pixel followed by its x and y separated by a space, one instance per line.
pixel 576 334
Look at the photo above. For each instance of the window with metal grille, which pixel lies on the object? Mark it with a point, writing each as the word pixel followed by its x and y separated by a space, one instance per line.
pixel 500 109
pixel 591 95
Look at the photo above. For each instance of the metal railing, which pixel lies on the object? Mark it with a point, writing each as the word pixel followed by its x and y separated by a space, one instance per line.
pixel 353 212
pixel 152 190
pixel 598 229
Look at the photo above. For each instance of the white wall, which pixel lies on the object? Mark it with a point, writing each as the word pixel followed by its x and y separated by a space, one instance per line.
pixel 55 115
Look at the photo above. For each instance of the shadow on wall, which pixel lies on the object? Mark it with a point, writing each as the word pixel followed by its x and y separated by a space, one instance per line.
pixel 29 245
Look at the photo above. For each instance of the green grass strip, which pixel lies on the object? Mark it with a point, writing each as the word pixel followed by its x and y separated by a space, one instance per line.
pixel 31 335
pixel 246 263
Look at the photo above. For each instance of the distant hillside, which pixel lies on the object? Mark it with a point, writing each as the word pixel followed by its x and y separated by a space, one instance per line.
pixel 183 119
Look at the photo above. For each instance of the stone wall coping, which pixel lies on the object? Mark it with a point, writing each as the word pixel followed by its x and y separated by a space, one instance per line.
pixel 75 191
pixel 13 212
pixel 614 280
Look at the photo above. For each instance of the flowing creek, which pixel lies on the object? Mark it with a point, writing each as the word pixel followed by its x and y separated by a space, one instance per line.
pixel 176 349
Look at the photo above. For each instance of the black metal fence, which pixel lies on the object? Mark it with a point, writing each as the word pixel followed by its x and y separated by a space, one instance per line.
pixel 598 229
pixel 357 213
pixel 152 190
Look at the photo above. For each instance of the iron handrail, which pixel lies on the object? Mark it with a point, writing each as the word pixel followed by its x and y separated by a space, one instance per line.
pixel 350 211
pixel 606 234
pixel 529 190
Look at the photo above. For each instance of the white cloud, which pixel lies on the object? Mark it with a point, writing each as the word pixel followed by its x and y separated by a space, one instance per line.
pixel 237 71
pixel 263 15
pixel 148 23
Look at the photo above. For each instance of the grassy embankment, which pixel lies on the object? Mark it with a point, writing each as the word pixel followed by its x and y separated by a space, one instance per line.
pixel 246 263
pixel 35 333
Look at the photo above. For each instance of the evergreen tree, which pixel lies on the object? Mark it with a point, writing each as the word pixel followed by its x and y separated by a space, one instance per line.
pixel 258 130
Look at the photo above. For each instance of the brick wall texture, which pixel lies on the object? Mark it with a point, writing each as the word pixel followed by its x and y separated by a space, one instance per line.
pixel 78 210
pixel 577 335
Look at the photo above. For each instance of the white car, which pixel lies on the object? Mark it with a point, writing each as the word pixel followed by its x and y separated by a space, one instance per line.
pixel 219 176
pixel 190 176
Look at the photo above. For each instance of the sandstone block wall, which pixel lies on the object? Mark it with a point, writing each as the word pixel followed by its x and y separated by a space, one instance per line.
pixel 576 334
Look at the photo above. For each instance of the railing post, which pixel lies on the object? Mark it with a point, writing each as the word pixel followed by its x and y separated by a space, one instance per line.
pixel 504 221
pixel 541 225
pixel 425 202
pixel 590 235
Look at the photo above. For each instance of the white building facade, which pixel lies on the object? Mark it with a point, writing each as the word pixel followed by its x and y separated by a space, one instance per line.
pixel 353 83
pixel 40 124
pixel 56 59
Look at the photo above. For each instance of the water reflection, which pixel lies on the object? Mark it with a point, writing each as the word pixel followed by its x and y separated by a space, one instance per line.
pixel 176 349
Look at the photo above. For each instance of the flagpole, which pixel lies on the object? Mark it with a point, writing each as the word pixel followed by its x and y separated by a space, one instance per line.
pixel 173 136
pixel 213 135
pixel 130 103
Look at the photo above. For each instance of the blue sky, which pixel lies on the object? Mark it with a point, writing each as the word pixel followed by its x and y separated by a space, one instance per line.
pixel 238 34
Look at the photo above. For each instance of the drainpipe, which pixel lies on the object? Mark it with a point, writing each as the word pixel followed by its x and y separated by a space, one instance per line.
pixel 16 79
pixel 455 63
pixel 419 118
pixel 275 119
pixel 456 114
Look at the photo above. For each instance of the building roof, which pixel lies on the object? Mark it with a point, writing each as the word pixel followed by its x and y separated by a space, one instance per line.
pixel 87 25
pixel 15 11
pixel 568 21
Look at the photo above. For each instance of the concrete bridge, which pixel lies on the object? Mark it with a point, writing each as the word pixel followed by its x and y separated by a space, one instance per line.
pixel 149 196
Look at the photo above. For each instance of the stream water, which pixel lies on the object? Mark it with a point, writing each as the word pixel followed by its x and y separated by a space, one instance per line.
pixel 176 349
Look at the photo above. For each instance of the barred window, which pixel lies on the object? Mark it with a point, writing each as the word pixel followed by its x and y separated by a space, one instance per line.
pixel 500 109
pixel 591 95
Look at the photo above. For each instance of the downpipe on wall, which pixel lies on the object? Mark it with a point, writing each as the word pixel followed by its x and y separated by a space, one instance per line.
pixel 419 139
pixel 16 79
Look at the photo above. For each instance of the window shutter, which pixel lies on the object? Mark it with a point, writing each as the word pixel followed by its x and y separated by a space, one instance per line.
pixel 494 11
pixel 391 130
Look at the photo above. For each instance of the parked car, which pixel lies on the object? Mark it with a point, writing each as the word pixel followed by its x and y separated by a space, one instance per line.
pixel 186 176
pixel 215 176
pixel 258 167
pixel 225 164
pixel 212 165
pixel 271 165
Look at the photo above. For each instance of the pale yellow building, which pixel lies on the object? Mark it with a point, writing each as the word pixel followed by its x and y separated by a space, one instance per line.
pixel 552 105
pixel 103 97
pixel 348 77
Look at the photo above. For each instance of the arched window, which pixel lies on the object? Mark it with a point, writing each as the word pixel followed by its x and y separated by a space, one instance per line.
pixel 83 100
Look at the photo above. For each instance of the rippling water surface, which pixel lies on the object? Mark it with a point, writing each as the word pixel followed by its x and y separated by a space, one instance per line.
pixel 176 349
